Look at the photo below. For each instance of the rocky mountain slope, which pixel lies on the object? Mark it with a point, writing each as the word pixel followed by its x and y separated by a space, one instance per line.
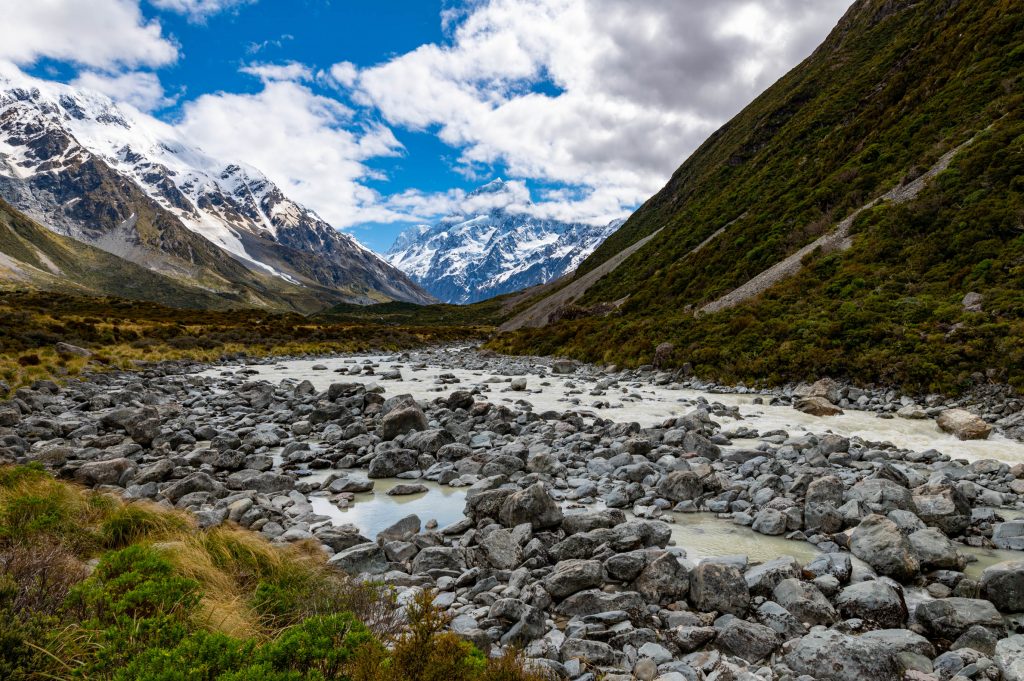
pixel 835 149
pixel 35 257
pixel 480 253
pixel 115 178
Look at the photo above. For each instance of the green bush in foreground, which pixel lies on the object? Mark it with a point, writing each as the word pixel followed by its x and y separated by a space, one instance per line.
pixel 168 602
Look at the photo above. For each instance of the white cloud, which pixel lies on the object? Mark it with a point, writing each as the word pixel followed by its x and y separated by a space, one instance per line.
pixel 344 74
pixel 269 72
pixel 103 34
pixel 141 89
pixel 306 143
pixel 198 10
pixel 607 95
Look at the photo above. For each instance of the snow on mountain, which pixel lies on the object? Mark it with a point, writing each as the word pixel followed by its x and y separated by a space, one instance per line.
pixel 48 127
pixel 488 248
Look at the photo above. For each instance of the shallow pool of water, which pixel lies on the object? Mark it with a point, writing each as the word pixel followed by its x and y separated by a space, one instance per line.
pixel 375 511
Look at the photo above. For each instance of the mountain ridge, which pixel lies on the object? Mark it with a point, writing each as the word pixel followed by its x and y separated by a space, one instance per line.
pixel 491 247
pixel 106 174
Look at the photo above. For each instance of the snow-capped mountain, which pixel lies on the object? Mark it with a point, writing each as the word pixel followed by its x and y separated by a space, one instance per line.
pixel 116 178
pixel 485 251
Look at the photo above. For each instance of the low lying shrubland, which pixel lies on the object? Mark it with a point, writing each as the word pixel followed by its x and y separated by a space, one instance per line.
pixel 92 587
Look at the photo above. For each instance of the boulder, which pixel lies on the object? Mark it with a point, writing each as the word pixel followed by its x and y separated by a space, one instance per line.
pixel 1003 584
pixel 881 495
pixel 817 406
pixel 942 506
pixel 532 505
pixel 572 576
pixel 879 543
pixel 403 530
pixel 948 618
pixel 830 655
pixel 594 601
pixel 963 424
pixel 441 558
pixel 107 472
pixel 388 464
pixel 502 550
pixel 360 559
pixel 664 578
pixel 680 486
pixel 762 579
pixel 401 421
pixel 805 602
pixel 769 521
pixel 68 350
pixel 1009 535
pixel 1009 658
pixel 718 587
pixel 935 551
pixel 747 640
pixel 875 602
pixel 825 490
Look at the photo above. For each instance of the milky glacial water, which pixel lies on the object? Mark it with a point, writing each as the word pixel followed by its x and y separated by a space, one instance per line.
pixel 702 535
pixel 645 404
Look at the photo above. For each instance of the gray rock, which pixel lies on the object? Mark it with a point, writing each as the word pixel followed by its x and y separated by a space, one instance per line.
pixel 805 602
pixel 401 421
pixel 769 521
pixel 441 558
pixel 1009 535
pixel 360 559
pixel 107 472
pixel 949 618
pixel 963 424
pixel 833 656
pixel 715 587
pixel 935 551
pixel 944 507
pixel 572 576
pixel 664 578
pixel 502 551
pixel 197 482
pixel 406 489
pixel 680 486
pixel 594 601
pixel 874 602
pixel 881 495
pixel 1009 658
pixel 594 652
pixel 1003 584
pixel 388 464
pixel 532 505
pixel 762 579
pixel 402 530
pixel 747 640
pixel 879 543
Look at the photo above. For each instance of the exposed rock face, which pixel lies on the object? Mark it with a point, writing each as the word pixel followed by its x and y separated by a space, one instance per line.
pixel 964 424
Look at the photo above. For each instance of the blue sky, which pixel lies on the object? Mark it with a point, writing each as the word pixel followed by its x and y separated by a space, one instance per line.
pixel 381 114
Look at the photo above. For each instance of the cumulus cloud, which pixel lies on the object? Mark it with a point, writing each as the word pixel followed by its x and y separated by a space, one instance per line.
pixel 141 89
pixel 103 34
pixel 269 72
pixel 198 10
pixel 306 143
pixel 607 96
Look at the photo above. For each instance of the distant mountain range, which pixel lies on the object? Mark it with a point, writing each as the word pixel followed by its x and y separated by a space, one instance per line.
pixel 127 184
pixel 477 254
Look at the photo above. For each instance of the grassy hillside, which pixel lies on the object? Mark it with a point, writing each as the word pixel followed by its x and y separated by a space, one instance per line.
pixel 168 601
pixel 895 86
pixel 483 314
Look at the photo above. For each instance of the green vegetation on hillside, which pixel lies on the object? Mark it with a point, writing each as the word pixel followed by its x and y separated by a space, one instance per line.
pixel 483 314
pixel 122 333
pixel 897 84
pixel 167 601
